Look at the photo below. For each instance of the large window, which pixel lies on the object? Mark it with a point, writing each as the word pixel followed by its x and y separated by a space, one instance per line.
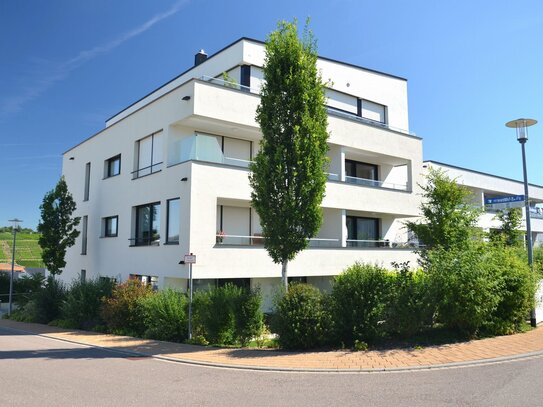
pixel 361 173
pixel 372 111
pixel 362 232
pixel 172 231
pixel 149 155
pixel 147 225
pixel 111 226
pixel 113 166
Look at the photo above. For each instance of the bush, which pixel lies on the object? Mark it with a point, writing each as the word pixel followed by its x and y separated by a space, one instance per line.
pixel 83 302
pixel 360 296
pixel 26 286
pixel 227 315
pixel 517 288
pixel 302 319
pixel 123 313
pixel 48 301
pixel 165 315
pixel 411 306
pixel 467 291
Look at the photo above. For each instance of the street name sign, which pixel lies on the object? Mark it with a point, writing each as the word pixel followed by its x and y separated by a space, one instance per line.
pixel 505 202
pixel 190 258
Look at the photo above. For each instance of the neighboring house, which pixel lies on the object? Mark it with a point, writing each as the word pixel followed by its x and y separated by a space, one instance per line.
pixel 168 176
pixel 17 270
pixel 486 186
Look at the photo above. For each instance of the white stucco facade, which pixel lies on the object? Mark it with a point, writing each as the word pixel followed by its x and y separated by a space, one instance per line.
pixel 175 164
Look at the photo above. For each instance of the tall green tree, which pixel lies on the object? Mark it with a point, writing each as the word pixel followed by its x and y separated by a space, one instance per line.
pixel 288 175
pixel 509 234
pixel 448 218
pixel 57 226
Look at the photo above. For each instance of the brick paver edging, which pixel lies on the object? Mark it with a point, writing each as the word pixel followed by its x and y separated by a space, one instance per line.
pixel 484 351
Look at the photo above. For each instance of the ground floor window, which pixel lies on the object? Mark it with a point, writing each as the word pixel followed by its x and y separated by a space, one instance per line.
pixel 146 280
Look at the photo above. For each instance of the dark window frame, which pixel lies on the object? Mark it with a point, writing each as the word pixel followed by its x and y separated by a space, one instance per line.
pixel 355 231
pixel 84 232
pixel 149 241
pixel 106 220
pixel 355 163
pixel 86 192
pixel 151 168
pixel 109 161
pixel 168 241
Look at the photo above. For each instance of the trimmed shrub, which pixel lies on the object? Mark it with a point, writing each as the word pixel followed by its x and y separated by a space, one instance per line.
pixel 360 297
pixel 467 291
pixel 249 316
pixel 165 315
pixel 26 286
pixel 411 307
pixel 83 302
pixel 517 288
pixel 48 301
pixel 123 313
pixel 227 315
pixel 302 319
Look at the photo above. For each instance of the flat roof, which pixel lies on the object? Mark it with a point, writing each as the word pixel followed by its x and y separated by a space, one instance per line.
pixel 480 172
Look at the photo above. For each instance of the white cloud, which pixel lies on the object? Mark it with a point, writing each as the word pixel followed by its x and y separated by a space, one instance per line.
pixel 14 104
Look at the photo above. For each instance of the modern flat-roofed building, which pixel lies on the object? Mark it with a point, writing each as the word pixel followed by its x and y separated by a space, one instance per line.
pixel 169 176
pixel 487 186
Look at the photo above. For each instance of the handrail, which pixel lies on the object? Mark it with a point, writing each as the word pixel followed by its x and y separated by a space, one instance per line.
pixel 145 168
pixel 228 84
pixel 375 183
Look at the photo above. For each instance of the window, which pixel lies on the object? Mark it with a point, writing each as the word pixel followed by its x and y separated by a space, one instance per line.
pixel 362 232
pixel 83 275
pixel 372 111
pixel 172 224
pixel 149 155
pixel 84 235
pixel 113 166
pixel 87 182
pixel 145 280
pixel 356 171
pixel 111 226
pixel 245 77
pixel 147 225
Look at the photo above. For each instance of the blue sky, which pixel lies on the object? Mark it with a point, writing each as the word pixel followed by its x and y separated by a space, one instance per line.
pixel 67 65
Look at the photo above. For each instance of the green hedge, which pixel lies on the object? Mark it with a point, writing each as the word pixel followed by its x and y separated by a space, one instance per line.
pixel 302 318
pixel 165 315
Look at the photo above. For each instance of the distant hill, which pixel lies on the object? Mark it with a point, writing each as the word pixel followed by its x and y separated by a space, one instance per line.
pixel 27 249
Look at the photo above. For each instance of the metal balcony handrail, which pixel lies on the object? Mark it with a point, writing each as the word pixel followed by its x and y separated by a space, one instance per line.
pixel 228 84
pixel 151 167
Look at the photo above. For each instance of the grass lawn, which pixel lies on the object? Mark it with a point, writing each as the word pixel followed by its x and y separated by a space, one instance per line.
pixel 27 250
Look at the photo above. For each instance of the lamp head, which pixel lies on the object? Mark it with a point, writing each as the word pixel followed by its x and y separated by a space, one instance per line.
pixel 522 128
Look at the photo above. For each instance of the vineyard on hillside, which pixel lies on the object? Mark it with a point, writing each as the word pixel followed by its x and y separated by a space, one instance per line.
pixel 27 249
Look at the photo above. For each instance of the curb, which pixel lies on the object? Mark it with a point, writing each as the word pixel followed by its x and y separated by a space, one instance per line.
pixel 403 369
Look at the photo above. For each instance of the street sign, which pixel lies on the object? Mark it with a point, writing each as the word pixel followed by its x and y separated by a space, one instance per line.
pixel 190 259
pixel 505 202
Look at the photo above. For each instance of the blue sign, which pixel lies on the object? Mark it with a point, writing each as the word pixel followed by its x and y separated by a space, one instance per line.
pixel 504 199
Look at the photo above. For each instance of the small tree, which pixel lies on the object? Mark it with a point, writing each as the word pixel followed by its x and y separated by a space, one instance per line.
pixel 288 177
pixel 57 226
pixel 449 220
pixel 509 233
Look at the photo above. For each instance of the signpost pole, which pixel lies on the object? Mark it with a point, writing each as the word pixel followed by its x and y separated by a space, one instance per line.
pixel 190 299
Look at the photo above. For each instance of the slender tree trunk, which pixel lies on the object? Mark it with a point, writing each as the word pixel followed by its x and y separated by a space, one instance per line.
pixel 284 278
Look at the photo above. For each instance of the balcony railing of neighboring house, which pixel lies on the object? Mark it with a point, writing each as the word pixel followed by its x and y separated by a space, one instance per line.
pixel 375 183
pixel 150 169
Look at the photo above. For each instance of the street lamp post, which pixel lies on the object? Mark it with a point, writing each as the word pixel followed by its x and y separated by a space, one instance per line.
pixel 15 222
pixel 521 125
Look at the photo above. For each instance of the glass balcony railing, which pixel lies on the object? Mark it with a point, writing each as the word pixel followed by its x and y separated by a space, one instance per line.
pixel 375 183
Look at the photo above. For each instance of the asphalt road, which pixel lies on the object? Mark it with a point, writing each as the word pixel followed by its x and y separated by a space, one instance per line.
pixel 37 371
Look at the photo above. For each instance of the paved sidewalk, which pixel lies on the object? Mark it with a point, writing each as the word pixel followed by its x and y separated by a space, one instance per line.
pixel 479 351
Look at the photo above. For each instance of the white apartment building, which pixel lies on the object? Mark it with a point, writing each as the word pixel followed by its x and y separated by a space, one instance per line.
pixel 484 186
pixel 168 176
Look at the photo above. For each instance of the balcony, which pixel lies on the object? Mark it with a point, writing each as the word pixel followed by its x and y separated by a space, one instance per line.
pixel 375 183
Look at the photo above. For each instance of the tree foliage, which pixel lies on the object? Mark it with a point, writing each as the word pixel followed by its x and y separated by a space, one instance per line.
pixel 448 219
pixel 288 177
pixel 57 226
pixel 509 234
